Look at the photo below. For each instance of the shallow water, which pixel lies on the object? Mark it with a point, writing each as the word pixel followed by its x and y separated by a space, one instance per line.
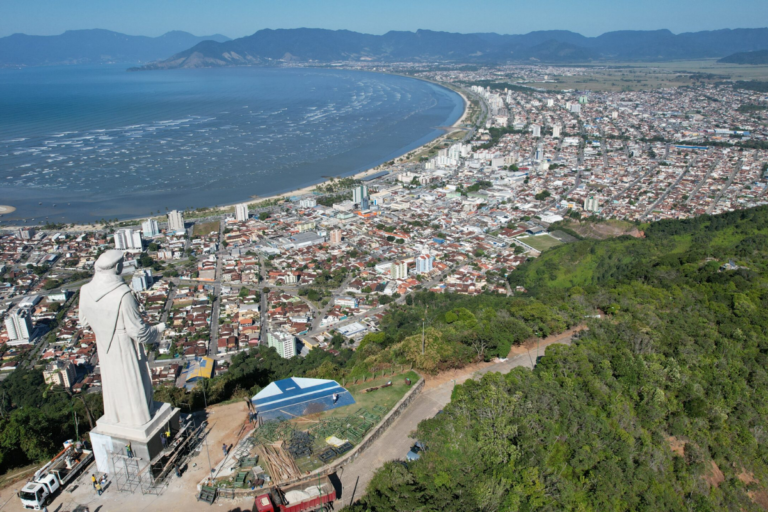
pixel 100 142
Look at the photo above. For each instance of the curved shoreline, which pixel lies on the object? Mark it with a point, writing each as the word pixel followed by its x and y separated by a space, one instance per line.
pixel 307 189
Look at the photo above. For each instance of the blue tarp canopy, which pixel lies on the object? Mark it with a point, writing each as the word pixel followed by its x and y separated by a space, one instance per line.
pixel 294 397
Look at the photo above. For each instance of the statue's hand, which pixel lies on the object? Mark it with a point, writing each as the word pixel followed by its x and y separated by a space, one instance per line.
pixel 160 327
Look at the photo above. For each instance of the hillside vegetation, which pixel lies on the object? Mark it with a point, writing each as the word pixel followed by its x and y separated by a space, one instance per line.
pixel 660 405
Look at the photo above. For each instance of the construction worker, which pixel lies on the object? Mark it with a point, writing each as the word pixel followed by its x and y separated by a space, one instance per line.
pixel 224 449
pixel 93 481
pixel 178 471
pixel 98 488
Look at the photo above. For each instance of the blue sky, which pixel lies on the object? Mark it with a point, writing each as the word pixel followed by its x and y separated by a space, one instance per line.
pixel 236 18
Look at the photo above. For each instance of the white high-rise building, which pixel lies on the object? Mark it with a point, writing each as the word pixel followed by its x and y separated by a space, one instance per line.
pixel 556 130
pixel 26 233
pixel 241 212
pixel 335 238
pixel 308 202
pixel 128 240
pixel 539 154
pixel 550 102
pixel 399 270
pixel 19 327
pixel 536 130
pixel 358 193
pixel 175 221
pixel 284 343
pixel 424 263
pixel 575 108
pixel 142 280
pixel 592 204
pixel 150 228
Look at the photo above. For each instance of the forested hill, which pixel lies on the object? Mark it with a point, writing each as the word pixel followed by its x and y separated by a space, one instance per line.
pixel 661 405
pixel 756 58
pixel 268 47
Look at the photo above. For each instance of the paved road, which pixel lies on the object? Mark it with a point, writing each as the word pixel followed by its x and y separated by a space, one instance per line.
pixel 395 442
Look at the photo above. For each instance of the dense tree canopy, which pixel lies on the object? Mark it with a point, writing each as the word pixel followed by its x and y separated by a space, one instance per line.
pixel 660 405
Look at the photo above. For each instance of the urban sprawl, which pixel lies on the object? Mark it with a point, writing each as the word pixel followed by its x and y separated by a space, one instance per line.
pixel 318 271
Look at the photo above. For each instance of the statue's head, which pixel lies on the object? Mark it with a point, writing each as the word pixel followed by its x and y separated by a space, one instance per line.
pixel 110 262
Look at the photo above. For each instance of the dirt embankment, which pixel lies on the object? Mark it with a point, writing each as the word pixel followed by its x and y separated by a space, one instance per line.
pixel 461 374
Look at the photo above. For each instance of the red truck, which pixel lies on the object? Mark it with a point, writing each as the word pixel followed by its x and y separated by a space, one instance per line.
pixel 314 496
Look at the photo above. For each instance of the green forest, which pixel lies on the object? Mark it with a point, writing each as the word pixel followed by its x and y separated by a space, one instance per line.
pixel 660 405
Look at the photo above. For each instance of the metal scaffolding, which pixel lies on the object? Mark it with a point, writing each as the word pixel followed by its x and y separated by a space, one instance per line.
pixel 133 474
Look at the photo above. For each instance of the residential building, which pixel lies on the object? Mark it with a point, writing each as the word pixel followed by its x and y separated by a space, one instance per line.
pixel 358 193
pixel 399 270
pixel 175 221
pixel 335 237
pixel 19 327
pixel 284 343
pixel 150 228
pixel 309 202
pixel 592 204
pixel 128 240
pixel 556 131
pixel 142 280
pixel 26 233
pixel 241 212
pixel 424 263
pixel 536 129
pixel 60 373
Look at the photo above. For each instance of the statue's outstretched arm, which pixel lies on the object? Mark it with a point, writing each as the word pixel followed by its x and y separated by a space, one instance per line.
pixel 135 326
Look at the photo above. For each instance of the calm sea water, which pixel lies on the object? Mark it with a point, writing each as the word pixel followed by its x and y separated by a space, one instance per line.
pixel 100 142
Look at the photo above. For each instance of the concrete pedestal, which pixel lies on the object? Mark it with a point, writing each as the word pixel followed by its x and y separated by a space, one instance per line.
pixel 108 438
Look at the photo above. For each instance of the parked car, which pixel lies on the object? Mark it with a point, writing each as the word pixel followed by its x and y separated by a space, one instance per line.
pixel 415 452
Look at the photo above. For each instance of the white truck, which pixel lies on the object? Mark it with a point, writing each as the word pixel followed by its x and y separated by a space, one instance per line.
pixel 62 469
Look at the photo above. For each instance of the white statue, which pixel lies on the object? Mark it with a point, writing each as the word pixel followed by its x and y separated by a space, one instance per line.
pixel 109 307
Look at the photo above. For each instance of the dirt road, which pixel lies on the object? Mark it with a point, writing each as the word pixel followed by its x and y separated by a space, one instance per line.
pixel 395 442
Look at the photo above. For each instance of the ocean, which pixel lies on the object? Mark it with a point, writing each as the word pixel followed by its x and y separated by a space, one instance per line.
pixel 99 142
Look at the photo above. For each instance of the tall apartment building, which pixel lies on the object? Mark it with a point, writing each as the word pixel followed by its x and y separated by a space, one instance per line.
pixel 592 204
pixel 309 202
pixel 142 280
pixel 284 343
pixel 26 233
pixel 399 270
pixel 128 240
pixel 150 228
pixel 556 130
pixel 335 238
pixel 358 193
pixel 60 373
pixel 19 327
pixel 424 263
pixel 536 129
pixel 175 221
pixel 241 212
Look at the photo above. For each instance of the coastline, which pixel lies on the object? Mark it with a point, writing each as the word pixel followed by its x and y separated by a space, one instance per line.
pixel 362 174
pixel 308 189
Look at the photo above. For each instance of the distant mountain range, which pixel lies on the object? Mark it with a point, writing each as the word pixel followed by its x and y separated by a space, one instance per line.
pixel 265 47
pixel 94 47
pixel 557 46
pixel 758 57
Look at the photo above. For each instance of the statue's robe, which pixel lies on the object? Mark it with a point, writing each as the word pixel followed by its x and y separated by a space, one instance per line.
pixel 109 307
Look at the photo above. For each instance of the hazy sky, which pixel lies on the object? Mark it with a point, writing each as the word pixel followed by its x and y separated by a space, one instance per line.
pixel 236 18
